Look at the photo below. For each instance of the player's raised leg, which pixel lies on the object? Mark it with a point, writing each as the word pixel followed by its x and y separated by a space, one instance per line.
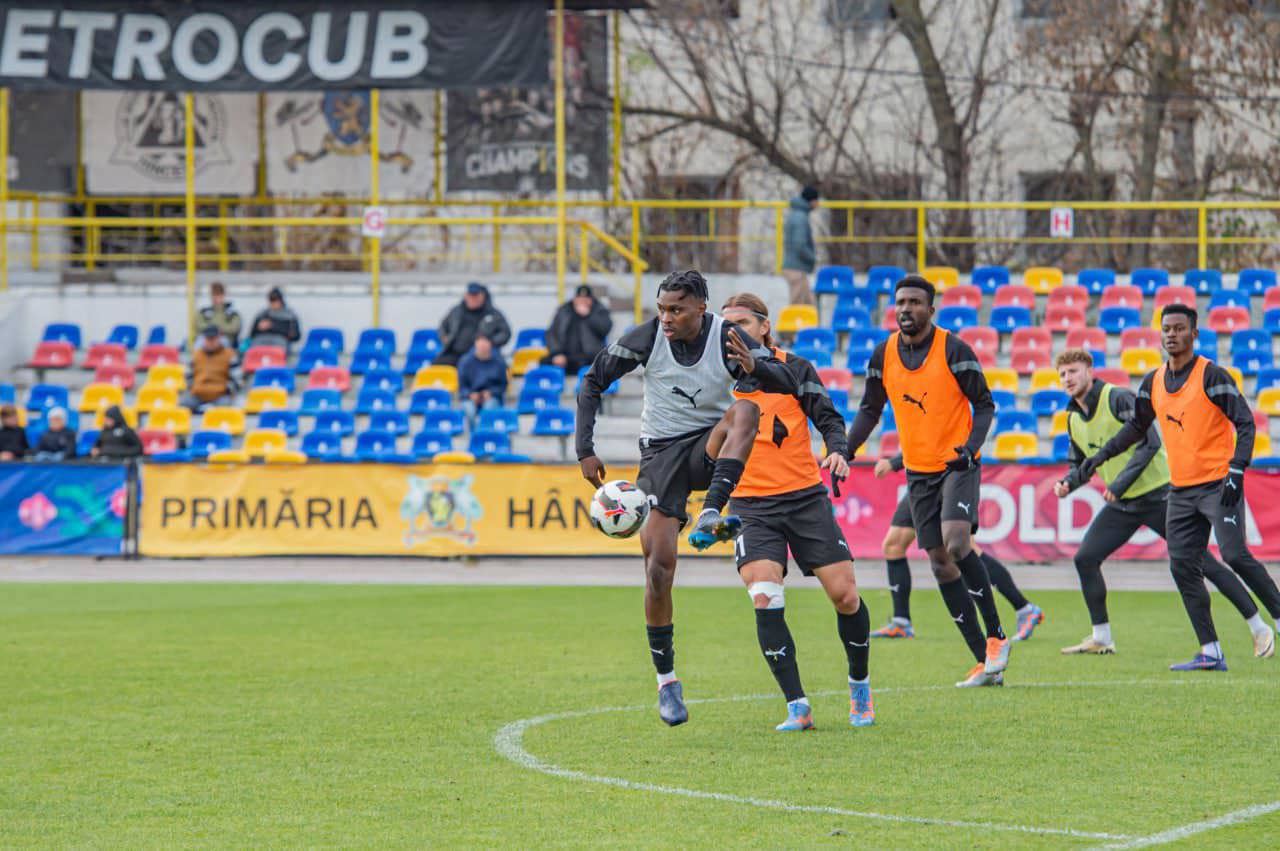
pixel 658 542
pixel 853 623
pixel 730 447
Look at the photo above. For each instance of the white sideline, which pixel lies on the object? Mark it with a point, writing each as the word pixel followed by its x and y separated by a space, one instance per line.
pixel 509 742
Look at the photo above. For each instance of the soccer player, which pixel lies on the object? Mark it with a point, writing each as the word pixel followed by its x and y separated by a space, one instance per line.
pixel 931 378
pixel 896 541
pixel 1137 483
pixel 1197 404
pixel 693 435
pixel 784 505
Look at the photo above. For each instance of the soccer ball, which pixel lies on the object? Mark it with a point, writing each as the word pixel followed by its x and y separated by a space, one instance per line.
pixel 619 509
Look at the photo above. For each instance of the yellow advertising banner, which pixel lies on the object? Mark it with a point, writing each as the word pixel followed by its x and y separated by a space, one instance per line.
pixel 376 509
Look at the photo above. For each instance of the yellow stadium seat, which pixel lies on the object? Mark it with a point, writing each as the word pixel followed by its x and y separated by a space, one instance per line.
pixel 1045 378
pixel 1139 361
pixel 1016 445
pixel 1001 378
pixel 442 376
pixel 167 375
pixel 1261 445
pixel 1235 373
pixel 1059 424
pixel 260 441
pixel 284 456
pixel 266 399
pixel 453 458
pixel 230 420
pixel 1043 279
pixel 228 456
pixel 1269 401
pixel 526 359
pixel 795 317
pixel 22 415
pixel 130 417
pixel 943 278
pixel 176 420
pixel 96 397
pixel 152 397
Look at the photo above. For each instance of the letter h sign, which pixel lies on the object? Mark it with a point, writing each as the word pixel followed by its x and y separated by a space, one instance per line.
pixel 1062 223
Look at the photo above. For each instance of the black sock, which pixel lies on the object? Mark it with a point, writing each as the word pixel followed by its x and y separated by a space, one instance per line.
pixel 975 576
pixel 724 478
pixel 661 648
pixel 1094 588
pixel 900 587
pixel 855 635
pixel 779 651
pixel 1003 580
pixel 960 605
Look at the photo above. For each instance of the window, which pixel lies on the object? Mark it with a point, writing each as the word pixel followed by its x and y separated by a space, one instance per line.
pixel 849 14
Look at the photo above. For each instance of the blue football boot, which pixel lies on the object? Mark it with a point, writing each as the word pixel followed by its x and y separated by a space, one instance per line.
pixel 799 717
pixel 671 708
pixel 712 527
pixel 1201 662
pixel 862 710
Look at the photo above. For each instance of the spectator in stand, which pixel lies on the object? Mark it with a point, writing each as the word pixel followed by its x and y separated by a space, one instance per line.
pixel 211 381
pixel 578 331
pixel 798 253
pixel 13 437
pixel 116 441
pixel 221 315
pixel 474 317
pixel 482 379
pixel 58 443
pixel 277 325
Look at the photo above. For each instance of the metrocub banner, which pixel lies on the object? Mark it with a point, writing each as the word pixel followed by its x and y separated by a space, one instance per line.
pixel 62 509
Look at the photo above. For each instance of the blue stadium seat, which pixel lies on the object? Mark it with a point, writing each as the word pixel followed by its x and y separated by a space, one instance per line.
pixel 376 445
pixel 1268 377
pixel 1270 321
pixel 323 446
pixel 499 419
pixel 1099 358
pixel 1062 448
pixel 285 421
pixel 839 400
pixel 859 297
pixel 362 362
pixel 425 342
pixel 848 318
pixel 1228 298
pixel 125 335
pixel 818 357
pixel 956 317
pixel 380 340
pixel 37 424
pixel 1250 340
pixel 317 401
pixel 85 441
pixel 383 379
pixel 341 423
pixel 389 420
pixel 548 378
pixel 882 279
pixel 325 340
pixel 1046 403
pixel 866 339
pixel 157 336
pixel 888 422
pixel 486 443
pixel 1207 344
pixel 7 394
pixel 274 376
pixel 1149 280
pixel 1005 400
pixel 374 399
pixel 427 444
pixel 42 397
pixel 309 360
pixel 833 280
pixel 427 399
pixel 508 458
pixel 1113 320
pixel 1250 362
pixel 553 422
pixel 67 331
pixel 1204 281
pixel 816 338
pixel 1256 281
pixel 202 443
pixel 989 278
pixel 1096 280
pixel 1008 318
pixel 533 400
pixel 611 390
pixel 1015 421
pixel 857 361
pixel 531 338
pixel 447 420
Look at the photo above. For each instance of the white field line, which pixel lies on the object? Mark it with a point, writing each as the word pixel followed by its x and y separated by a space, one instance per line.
pixel 1177 833
pixel 509 742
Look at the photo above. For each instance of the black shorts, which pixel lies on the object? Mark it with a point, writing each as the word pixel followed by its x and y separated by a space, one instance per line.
pixel 937 498
pixel 902 516
pixel 803 522
pixel 669 472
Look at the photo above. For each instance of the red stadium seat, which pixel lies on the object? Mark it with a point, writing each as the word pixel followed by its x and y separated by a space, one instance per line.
pixel 986 357
pixel 53 354
pixel 1121 295
pixel 1089 339
pixel 119 374
pixel 889 322
pixel 157 353
pixel 259 357
pixel 1031 338
pixel 1027 359
pixel 981 338
pixel 966 295
pixel 155 441
pixel 329 378
pixel 105 354
pixel 1228 318
pixel 1261 421
pixel 1071 295
pixel 1063 317
pixel 1166 296
pixel 890 445
pixel 1140 338
pixel 1014 295
pixel 835 378
pixel 1112 375
pixel 1271 298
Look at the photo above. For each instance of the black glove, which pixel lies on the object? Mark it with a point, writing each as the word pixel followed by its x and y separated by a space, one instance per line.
pixel 963 461
pixel 1232 488
pixel 835 485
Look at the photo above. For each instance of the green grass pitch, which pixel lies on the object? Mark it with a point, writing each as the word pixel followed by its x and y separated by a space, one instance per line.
pixel 296 715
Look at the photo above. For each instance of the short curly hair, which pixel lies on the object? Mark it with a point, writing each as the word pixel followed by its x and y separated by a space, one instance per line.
pixel 689 281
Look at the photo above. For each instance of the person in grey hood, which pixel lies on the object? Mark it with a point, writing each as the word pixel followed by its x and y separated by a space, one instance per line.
pixel 116 441
pixel 473 316
pixel 798 253
pixel 277 325
pixel 577 332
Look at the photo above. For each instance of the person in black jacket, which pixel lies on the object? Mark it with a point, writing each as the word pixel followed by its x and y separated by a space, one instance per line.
pixel 13 437
pixel 58 443
pixel 277 325
pixel 578 331
pixel 474 316
pixel 116 441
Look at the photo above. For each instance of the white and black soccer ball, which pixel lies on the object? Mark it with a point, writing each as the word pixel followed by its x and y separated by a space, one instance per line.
pixel 619 509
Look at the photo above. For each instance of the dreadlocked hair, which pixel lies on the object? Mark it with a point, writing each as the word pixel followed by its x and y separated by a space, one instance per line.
pixel 755 304
pixel 689 281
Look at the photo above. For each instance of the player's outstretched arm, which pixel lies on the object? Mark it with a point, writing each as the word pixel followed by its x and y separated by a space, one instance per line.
pixel 744 355
pixel 1123 408
pixel 1130 433
pixel 817 406
pixel 617 360
pixel 873 402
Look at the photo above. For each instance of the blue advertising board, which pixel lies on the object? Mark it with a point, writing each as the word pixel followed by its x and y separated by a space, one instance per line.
pixel 62 509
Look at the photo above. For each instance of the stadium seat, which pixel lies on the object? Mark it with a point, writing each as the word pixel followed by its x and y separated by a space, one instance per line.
pixel 42 397
pixel 1059 424
pixel 1269 399
pixel 1121 295
pixel 553 422
pixel 793 317
pixel 1261 421
pixel 379 340
pixel 818 357
pixel 499 419
pixel 285 421
pixel 1046 403
pixel 1114 320
pixel 1149 280
pixel 1031 338
pixel 526 359
pixel 1250 340
pixel 866 339
pixel 890 444
pixel 1266 378
pixel 284 456
pixel 834 378
pixel 1043 280
pixel 1087 338
pixel 52 354
pixel 1256 281
pixel 154 397
pixel 97 397
pixel 1014 295
pixel 1061 448
pixel 261 357
pixel 943 278
pixel 1171 294
pixel 447 420
pixel 1026 360
pixel 859 297
pixel 322 446
pixel 1203 281
pixel 833 280
pixel 341 423
pixel 154 354
pixel 1001 378
pixel 1016 446
pixel 990 278
pixel 1006 319
pixel 1207 344
pixel 275 376
pixel 363 362
pixel 427 399
pixel 1139 361
pixel 262 399
pixel 228 456
pixel 167 375
pixel 1140 338
pixel 263 440
pixel 309 361
pixel 391 421
pixel 1069 295
pixel 158 441
pixel 485 443
pixel 882 279
pixel 531 338
pixel 105 354
pixel 1250 362
pixel 840 401
pixel 888 422
pixel 823 339
pixel 1063 318
pixel 329 378
pixel 8 395
pixel 125 335
pixel 458 457
pixel 383 379
pixel 509 458
pixel 889 321
pixel 423 349
pixel 1226 320
pixel 317 401
pixel 66 332
pixel 962 295
pixel 227 419
pixel 156 336
pixel 533 400
pixel 176 420
pixel 1004 400
pixel 1096 280
pixel 374 399
pixel 549 378
pixel 427 444
pixel 1015 421
pixel 204 442
pixel 1112 375
pixel 986 357
pixel 130 416
pixel 611 390
pixel 848 318
pixel 956 317
pixel 1045 378
pixel 85 441
pixel 1270 321
pixel 1229 298
pixel 1261 445
pixel 324 340
pixel 981 339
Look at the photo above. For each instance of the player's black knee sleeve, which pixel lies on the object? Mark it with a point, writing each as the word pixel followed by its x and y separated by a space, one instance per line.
pixel 960 605
pixel 855 635
pixel 779 651
pixel 900 587
pixel 661 648
pixel 1002 579
pixel 979 585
